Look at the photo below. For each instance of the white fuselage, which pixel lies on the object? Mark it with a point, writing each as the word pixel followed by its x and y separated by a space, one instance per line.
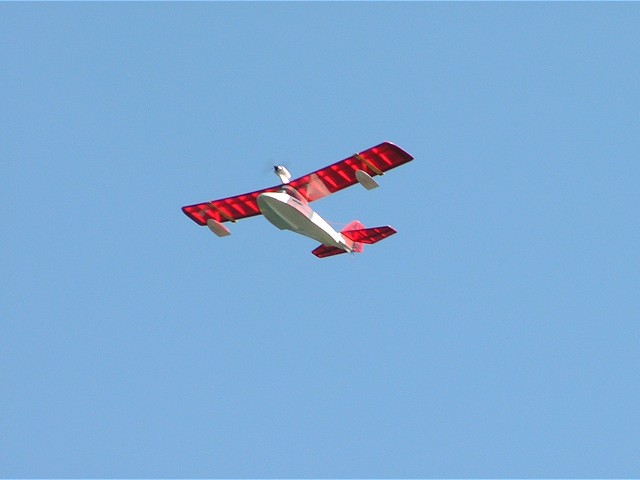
pixel 287 212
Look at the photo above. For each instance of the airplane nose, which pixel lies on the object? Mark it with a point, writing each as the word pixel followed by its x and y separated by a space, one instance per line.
pixel 274 207
pixel 269 198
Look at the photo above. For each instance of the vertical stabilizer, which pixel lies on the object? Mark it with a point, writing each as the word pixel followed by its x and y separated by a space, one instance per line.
pixel 356 246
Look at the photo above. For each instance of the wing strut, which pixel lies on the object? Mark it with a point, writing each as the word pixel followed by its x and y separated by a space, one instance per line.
pixel 369 164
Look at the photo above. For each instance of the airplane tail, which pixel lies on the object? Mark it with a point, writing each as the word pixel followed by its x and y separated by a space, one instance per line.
pixel 356 236
pixel 357 247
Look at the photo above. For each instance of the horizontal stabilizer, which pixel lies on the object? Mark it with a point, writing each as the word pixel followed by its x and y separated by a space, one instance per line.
pixel 324 251
pixel 369 235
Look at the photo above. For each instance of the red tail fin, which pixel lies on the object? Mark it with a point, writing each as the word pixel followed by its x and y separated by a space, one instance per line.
pixel 358 247
pixel 359 235
pixel 323 251
pixel 355 225
pixel 369 235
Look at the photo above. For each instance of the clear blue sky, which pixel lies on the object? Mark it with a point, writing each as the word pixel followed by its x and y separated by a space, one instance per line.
pixel 496 335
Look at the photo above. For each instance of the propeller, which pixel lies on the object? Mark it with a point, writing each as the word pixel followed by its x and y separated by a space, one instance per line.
pixel 278 167
pixel 282 172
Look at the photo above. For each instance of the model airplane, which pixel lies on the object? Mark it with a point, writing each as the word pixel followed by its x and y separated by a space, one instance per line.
pixel 287 205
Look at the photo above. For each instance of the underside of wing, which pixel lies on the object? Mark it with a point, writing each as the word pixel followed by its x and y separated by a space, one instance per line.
pixel 227 209
pixel 374 161
pixel 316 185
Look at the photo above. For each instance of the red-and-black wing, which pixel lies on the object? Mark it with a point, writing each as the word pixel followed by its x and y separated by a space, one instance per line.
pixel 227 209
pixel 374 161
